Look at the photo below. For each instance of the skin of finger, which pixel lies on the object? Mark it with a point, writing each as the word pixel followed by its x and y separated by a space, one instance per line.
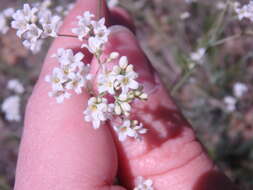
pixel 169 153
pixel 59 151
pixel 120 16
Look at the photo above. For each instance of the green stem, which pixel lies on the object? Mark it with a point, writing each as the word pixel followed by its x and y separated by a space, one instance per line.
pixel 182 81
pixel 233 37
pixel 224 40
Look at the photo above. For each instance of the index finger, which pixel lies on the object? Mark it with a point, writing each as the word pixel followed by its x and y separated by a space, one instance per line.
pixel 59 151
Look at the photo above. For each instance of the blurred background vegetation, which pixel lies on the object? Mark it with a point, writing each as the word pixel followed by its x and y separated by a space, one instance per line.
pixel 169 31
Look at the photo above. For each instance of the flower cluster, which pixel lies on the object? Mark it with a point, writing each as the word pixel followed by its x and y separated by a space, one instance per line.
pixel 72 74
pixel 35 24
pixel 11 108
pixel 11 104
pixel 239 89
pixel 95 32
pixel 246 11
pixel 5 17
pixel 16 86
pixel 143 184
pixel 185 15
pixel 121 86
pixel 198 55
pixel 116 89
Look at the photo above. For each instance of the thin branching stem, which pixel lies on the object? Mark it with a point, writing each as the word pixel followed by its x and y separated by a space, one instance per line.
pixel 100 6
pixel 67 35
pixel 183 80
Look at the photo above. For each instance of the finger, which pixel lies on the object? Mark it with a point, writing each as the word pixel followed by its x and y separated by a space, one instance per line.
pixel 169 153
pixel 59 151
pixel 120 17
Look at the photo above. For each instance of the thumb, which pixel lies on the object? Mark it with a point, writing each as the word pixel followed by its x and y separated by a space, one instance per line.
pixel 169 153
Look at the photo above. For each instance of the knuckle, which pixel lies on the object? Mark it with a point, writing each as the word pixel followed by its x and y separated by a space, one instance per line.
pixel 173 155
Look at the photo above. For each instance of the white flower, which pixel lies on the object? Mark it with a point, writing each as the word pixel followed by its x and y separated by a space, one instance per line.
pixel 77 82
pixel 5 15
pixel 46 4
pixel 72 74
pixel 198 55
pixel 32 37
pixel 59 9
pixel 25 23
pixel 95 31
pixel 23 18
pixel 59 95
pixel 113 55
pixel 230 103
pixel 138 128
pixel 3 24
pixel 20 24
pixel 34 46
pixel 16 86
pixel 143 184
pixel 35 24
pixel 125 75
pixel 8 12
pixel 185 15
pixel 11 107
pixel 221 5
pixel 61 52
pixel 95 45
pixel 239 89
pixel 245 11
pixel 96 111
pixel 57 79
pixel 112 3
pixel 106 83
pixel 100 30
pixel 84 25
pixel 67 57
pixel 125 130
pixel 50 24
pixel 122 106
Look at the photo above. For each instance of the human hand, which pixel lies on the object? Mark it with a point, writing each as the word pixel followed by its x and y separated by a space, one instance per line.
pixel 59 151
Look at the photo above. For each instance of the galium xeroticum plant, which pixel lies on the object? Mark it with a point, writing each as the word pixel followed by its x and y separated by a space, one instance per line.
pixel 116 88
